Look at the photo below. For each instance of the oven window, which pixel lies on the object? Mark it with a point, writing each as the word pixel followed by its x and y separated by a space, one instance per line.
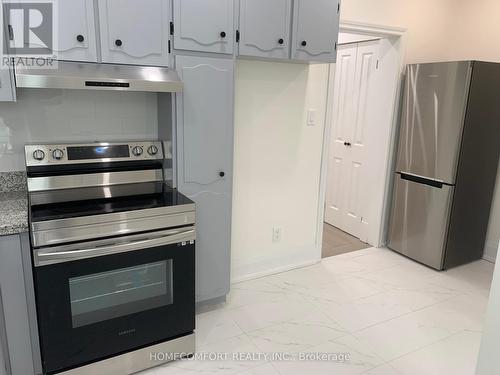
pixel 108 295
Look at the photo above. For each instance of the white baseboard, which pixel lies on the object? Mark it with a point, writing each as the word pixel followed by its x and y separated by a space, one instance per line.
pixel 490 251
pixel 271 266
pixel 489 258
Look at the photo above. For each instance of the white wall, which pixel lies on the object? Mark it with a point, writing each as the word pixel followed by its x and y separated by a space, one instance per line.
pixel 489 360
pixel 47 116
pixel 276 165
pixel 428 23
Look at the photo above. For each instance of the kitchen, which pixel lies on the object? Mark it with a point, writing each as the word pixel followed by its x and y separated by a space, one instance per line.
pixel 173 108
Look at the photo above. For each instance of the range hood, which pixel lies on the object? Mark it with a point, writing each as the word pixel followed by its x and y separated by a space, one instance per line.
pixel 93 76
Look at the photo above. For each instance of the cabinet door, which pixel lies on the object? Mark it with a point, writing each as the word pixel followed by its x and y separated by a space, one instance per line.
pixel 14 326
pixel 205 161
pixel 315 28
pixel 265 28
pixel 76 37
pixel 204 25
pixel 134 32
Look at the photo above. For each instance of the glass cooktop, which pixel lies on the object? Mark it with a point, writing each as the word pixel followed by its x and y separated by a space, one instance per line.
pixel 162 197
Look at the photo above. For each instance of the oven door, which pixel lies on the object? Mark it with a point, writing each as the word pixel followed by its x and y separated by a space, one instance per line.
pixel 108 297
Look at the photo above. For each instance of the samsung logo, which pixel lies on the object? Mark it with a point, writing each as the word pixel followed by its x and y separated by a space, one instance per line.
pixel 126 332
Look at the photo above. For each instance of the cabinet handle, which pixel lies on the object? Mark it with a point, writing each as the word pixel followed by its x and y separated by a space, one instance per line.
pixel 223 34
pixel 80 38
pixel 118 42
pixel 304 43
pixel 281 41
pixel 222 174
pixel 347 143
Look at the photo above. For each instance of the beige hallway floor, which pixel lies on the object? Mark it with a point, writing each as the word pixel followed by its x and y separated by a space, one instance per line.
pixel 336 242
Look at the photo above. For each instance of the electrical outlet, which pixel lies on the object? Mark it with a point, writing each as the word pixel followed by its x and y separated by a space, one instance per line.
pixel 276 234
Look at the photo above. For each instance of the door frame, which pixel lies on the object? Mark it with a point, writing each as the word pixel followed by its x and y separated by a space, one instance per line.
pixel 393 38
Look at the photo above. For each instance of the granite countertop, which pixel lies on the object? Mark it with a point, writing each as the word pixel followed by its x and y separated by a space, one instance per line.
pixel 13 203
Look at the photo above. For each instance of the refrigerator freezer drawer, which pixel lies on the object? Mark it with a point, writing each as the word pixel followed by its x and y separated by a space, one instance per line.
pixel 419 220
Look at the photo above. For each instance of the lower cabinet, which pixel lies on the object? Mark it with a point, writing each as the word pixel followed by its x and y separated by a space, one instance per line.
pixel 15 336
pixel 204 113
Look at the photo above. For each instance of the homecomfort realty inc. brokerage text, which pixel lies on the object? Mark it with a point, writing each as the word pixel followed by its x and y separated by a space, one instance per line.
pixel 250 356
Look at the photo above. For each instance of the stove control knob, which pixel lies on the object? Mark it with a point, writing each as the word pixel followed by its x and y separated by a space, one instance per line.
pixel 152 150
pixel 137 151
pixel 58 154
pixel 38 155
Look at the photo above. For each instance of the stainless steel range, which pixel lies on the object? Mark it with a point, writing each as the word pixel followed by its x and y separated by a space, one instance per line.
pixel 113 254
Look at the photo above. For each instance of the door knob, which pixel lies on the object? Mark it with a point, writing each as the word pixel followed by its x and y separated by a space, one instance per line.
pixel 222 174
pixel 281 41
pixel 80 38
pixel 223 34
pixel 118 42
pixel 304 43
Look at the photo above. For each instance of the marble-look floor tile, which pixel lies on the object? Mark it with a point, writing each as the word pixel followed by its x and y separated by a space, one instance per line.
pixel 394 316
pixel 264 314
pixel 463 312
pixel 297 334
pixel 418 329
pixel 266 369
pixel 228 365
pixel 475 278
pixel 401 335
pixel 215 326
pixel 365 312
pixel 409 275
pixel 254 291
pixel 385 369
pixel 360 358
pixel 455 355
pixel 303 279
pixel 344 290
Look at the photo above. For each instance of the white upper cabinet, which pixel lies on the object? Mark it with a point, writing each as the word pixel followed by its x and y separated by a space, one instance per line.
pixel 265 28
pixel 76 37
pixel 204 25
pixel 315 30
pixel 134 32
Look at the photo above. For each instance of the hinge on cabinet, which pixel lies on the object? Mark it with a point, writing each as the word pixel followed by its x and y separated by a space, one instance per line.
pixel 335 46
pixel 237 36
pixel 169 49
pixel 171 28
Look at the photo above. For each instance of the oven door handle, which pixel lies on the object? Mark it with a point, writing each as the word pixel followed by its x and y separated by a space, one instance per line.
pixel 61 254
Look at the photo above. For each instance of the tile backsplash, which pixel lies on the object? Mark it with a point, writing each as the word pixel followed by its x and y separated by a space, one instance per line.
pixel 51 116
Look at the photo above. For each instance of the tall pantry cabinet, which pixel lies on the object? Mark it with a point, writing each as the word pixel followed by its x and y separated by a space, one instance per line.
pixel 203 43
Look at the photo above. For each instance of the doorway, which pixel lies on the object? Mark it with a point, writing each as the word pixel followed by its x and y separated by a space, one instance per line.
pixel 359 137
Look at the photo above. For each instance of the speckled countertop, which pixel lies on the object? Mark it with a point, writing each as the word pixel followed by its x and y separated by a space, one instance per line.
pixel 13 203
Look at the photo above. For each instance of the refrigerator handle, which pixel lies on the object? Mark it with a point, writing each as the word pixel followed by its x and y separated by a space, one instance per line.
pixel 422 180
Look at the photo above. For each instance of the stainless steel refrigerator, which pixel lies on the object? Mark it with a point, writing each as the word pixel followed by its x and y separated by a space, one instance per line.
pixel 449 145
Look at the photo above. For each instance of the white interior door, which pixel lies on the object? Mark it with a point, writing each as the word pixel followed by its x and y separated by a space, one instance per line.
pixel 348 194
